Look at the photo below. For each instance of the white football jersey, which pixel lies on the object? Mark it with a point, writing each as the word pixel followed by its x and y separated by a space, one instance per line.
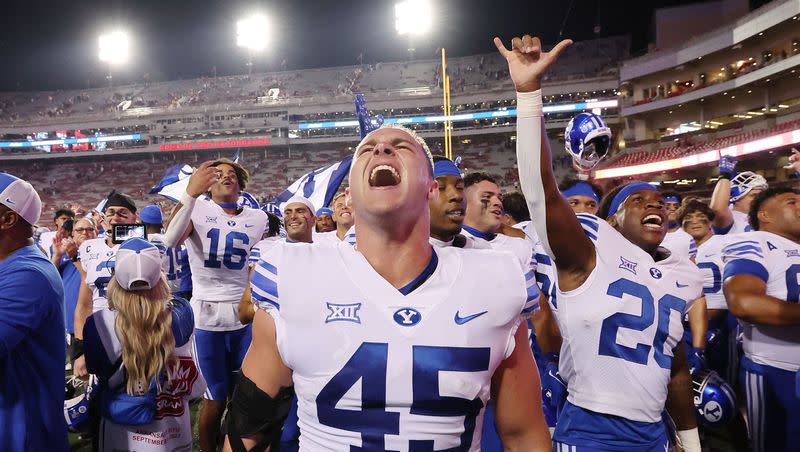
pixel 218 250
pixel 174 264
pixel 680 242
pixel 776 261
pixel 521 248
pixel 325 237
pixel 546 275
pixel 46 242
pixel 265 244
pixel 709 261
pixel 377 369
pixel 621 326
pixel 97 259
pixel 740 224
pixel 469 243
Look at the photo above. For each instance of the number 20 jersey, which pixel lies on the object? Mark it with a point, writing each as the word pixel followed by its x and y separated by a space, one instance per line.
pixel 219 248
pixel 621 326
pixel 380 370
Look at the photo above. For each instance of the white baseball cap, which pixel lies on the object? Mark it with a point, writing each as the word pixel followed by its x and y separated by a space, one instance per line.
pixel 21 197
pixel 138 265
pixel 297 199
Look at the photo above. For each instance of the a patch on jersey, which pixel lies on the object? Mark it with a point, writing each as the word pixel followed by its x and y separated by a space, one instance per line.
pixel 625 264
pixel 231 223
pixel 655 273
pixel 792 253
pixel 771 246
pixel 212 220
pixel 343 312
pixel 407 316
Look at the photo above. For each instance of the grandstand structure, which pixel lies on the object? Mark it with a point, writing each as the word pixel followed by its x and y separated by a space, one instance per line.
pixel 287 123
pixel 734 89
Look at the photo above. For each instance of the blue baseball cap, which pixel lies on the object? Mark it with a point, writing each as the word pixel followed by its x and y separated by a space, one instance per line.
pixel 324 211
pixel 151 215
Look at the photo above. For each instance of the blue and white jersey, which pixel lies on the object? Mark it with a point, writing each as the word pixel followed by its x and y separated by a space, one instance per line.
pixel 265 244
pixel 174 264
pixel 740 224
pixel 621 325
pixel 709 261
pixel 218 250
pixel 776 261
pixel 97 259
pixel 521 248
pixel 546 275
pixel 680 242
pixel 387 369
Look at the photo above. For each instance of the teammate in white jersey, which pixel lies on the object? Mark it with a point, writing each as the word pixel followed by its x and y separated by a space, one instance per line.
pixel 620 296
pixel 219 235
pixel 677 240
pixel 175 261
pixel 483 219
pixel 762 286
pixel 390 345
pixel 732 197
pixel 46 238
pixel 95 261
pixel 342 217
pixel 447 210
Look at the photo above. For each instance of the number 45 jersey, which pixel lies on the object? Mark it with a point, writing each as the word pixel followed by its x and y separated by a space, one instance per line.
pixel 377 370
pixel 621 326
pixel 219 247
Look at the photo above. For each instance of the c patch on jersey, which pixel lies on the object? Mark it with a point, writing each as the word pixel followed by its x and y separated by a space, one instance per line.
pixel 407 316
pixel 343 312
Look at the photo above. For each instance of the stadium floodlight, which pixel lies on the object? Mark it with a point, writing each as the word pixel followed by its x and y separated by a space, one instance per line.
pixel 413 17
pixel 114 47
pixel 251 32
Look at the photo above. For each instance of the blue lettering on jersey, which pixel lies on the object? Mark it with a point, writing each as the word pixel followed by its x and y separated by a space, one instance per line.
pixel 793 283
pixel 625 264
pixel 716 275
pixel 655 273
pixel 771 246
pixel 792 253
pixel 343 312
pixel 212 220
pixel 231 250
pixel 407 316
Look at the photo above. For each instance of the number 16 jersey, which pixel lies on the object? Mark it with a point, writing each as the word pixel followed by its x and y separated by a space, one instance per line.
pixel 621 326
pixel 377 369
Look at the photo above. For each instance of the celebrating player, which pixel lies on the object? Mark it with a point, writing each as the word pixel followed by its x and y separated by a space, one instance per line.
pixel 677 240
pixel 762 286
pixel 732 197
pixel 408 325
pixel 617 292
pixel 220 235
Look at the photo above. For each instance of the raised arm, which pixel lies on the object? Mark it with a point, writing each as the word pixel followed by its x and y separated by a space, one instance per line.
pixel 559 230
pixel 720 199
pixel 179 226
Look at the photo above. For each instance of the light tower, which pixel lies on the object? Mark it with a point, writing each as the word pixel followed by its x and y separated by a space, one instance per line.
pixel 251 34
pixel 114 50
pixel 412 18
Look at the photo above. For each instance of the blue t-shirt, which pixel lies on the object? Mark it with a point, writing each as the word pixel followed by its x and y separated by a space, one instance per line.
pixel 71 278
pixel 32 353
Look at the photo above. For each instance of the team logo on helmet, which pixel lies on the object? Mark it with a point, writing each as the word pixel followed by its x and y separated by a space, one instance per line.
pixel 587 139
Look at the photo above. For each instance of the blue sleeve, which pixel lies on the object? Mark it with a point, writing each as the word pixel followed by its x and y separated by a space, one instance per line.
pixel 182 321
pixel 532 298
pixel 590 224
pixel 264 286
pixel 22 306
pixel 746 267
pixel 722 231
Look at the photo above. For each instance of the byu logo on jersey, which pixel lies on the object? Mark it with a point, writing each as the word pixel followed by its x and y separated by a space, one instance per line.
pixel 655 273
pixel 343 312
pixel 407 316
pixel 625 264
pixel 231 223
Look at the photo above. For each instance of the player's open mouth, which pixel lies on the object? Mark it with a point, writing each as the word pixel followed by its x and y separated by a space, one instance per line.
pixel 497 212
pixel 652 222
pixel 455 215
pixel 384 176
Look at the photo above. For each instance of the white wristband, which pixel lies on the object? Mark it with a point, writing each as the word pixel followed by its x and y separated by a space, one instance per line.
pixel 187 200
pixel 689 440
pixel 529 105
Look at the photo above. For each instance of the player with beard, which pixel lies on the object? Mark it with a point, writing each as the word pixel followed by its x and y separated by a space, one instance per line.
pixel 617 291
pixel 219 235
pixel 397 319
pixel 325 222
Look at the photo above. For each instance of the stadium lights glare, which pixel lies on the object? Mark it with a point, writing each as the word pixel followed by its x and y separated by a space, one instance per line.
pixel 114 47
pixel 413 17
pixel 251 32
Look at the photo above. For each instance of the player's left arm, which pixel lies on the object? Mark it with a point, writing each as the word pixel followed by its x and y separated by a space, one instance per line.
pixel 246 309
pixel 747 299
pixel 517 396
pixel 83 309
pixel 698 324
pixel 680 405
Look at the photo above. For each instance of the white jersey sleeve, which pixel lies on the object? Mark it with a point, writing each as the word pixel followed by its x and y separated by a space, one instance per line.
pixel 709 261
pixel 218 249
pixel 97 259
pixel 623 325
pixel 740 224
pixel 680 242
pixel 46 242
pixel 776 261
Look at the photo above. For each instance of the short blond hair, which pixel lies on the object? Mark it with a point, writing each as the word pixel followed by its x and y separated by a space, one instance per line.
pixel 413 135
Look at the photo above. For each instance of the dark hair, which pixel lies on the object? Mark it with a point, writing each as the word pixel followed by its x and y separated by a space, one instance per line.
pixel 570 182
pixel 67 212
pixel 474 178
pixel 763 197
pixel 605 203
pixel 692 206
pixel 273 225
pixel 667 194
pixel 514 205
pixel 241 174
pixel 439 158
pixel 68 225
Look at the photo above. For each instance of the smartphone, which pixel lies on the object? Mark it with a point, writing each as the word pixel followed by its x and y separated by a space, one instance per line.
pixel 122 232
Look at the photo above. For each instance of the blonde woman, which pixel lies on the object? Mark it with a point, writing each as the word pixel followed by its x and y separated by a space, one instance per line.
pixel 140 350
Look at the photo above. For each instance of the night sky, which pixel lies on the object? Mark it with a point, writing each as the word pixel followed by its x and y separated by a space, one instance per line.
pixel 53 44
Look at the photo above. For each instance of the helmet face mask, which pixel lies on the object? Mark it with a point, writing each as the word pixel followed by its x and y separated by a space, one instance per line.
pixel 745 181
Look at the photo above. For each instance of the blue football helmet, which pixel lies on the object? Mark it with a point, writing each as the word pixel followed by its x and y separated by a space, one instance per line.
pixel 714 400
pixel 587 139
pixel 246 199
pixel 76 409
pixel 745 181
